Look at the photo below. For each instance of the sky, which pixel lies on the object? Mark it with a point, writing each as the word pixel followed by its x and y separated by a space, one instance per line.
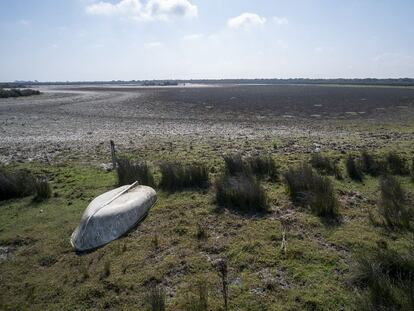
pixel 88 40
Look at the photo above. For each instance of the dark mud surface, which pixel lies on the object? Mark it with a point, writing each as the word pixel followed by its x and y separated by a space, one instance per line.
pixel 64 120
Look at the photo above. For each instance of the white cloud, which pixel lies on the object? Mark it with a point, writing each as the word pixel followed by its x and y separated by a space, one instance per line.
pixel 246 21
pixel 151 10
pixel 280 20
pixel 151 45
pixel 192 37
pixel 163 9
pixel 124 7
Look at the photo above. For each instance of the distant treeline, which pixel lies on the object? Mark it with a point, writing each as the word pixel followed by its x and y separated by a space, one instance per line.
pixel 368 81
pixel 17 92
pixel 159 83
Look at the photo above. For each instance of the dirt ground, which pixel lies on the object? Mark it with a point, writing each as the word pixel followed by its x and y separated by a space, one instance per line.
pixel 81 119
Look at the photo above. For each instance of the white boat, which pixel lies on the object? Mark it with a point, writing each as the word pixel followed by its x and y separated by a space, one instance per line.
pixel 111 215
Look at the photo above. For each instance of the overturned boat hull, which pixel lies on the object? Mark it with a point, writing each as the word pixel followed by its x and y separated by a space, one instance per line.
pixel 111 215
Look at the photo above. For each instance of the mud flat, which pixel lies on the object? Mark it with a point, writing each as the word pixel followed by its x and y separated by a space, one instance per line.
pixel 81 119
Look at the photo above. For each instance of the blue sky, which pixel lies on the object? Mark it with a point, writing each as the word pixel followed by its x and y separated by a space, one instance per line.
pixel 73 40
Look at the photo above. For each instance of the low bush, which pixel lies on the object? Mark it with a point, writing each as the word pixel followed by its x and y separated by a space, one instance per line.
pixel 307 188
pixel 243 193
pixel 396 164
pixel 370 165
pixel 175 176
pixel 325 165
pixel 17 92
pixel 16 184
pixel 393 206
pixel 386 278
pixel 43 190
pixel 129 172
pixel 353 170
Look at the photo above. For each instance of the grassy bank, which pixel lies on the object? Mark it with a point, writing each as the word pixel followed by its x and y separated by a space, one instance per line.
pixel 178 245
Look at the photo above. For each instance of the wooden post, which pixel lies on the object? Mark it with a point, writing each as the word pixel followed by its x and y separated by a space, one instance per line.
pixel 113 154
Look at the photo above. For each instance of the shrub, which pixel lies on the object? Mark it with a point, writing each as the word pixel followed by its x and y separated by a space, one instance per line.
pixel 387 277
pixel 17 92
pixel 354 172
pixel 16 184
pixel 43 190
pixel 371 166
pixel 175 176
pixel 129 172
pixel 396 164
pixel 241 192
pixel 393 206
pixel 307 188
pixel 325 165
pixel 156 298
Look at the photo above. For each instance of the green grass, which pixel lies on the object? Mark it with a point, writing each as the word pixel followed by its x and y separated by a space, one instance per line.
pixel 190 234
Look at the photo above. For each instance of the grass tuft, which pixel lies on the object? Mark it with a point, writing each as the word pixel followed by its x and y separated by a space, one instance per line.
pixel 370 165
pixel 243 193
pixel 412 169
pixel 353 170
pixel 175 176
pixel 261 166
pixel 235 165
pixel 325 165
pixel 156 298
pixel 198 302
pixel 393 206
pixel 17 184
pixel 201 233
pixel 386 278
pixel 307 188
pixel 43 190
pixel 397 164
pixel 106 272
pixel 129 172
